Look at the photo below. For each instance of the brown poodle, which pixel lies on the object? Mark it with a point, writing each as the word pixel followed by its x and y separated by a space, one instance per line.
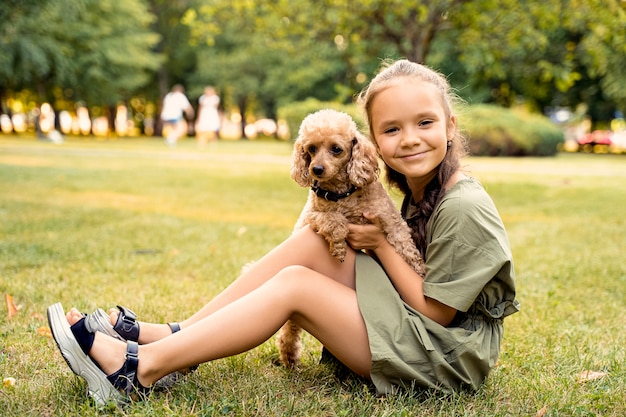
pixel 341 166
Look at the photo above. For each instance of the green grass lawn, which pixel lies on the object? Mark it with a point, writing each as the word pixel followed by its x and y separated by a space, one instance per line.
pixel 99 223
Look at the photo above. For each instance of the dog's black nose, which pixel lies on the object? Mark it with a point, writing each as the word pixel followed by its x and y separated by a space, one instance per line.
pixel 318 170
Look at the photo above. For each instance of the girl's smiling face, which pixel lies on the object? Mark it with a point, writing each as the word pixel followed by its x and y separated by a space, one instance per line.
pixel 410 128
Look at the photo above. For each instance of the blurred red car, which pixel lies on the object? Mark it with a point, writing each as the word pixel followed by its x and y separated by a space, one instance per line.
pixel 597 137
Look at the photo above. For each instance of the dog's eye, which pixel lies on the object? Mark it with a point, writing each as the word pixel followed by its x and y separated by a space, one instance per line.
pixel 311 150
pixel 335 150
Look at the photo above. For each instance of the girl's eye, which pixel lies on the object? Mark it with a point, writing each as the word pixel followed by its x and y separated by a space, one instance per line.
pixel 390 130
pixel 426 122
pixel 335 150
pixel 311 150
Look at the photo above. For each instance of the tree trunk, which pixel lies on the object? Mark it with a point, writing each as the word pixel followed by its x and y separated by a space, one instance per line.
pixel 242 102
pixel 163 81
pixel 112 113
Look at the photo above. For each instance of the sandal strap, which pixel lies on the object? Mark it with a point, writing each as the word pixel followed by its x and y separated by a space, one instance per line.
pixel 83 334
pixel 126 324
pixel 130 366
pixel 176 328
pixel 125 379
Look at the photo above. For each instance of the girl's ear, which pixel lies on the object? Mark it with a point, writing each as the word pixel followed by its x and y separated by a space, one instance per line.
pixel 363 166
pixel 451 124
pixel 300 167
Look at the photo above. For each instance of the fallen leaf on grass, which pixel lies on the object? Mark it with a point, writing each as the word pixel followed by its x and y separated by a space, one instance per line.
pixel 587 376
pixel 8 382
pixel 44 331
pixel 542 412
pixel 11 308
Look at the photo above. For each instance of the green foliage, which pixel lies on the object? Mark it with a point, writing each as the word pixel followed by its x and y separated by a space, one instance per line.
pixel 31 52
pixel 176 47
pixel 496 131
pixel 391 28
pixel 265 54
pixel 121 29
pixel 262 54
pixel 295 112
pixel 551 53
pixel 97 51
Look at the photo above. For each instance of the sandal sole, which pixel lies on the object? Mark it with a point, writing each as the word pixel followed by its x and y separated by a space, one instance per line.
pixel 99 387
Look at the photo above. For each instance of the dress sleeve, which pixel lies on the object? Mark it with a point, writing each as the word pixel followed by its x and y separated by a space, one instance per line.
pixel 468 251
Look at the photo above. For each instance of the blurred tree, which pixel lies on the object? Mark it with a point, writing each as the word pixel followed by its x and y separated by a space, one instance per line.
pixel 392 28
pixel 31 56
pixel 547 53
pixel 112 49
pixel 263 54
pixel 595 40
pixel 175 46
pixel 76 50
pixel 550 53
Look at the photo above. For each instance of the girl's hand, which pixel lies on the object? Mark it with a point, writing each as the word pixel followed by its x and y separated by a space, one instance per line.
pixel 366 236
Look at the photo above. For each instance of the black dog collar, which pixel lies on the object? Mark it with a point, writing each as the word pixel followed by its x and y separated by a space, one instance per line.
pixel 330 195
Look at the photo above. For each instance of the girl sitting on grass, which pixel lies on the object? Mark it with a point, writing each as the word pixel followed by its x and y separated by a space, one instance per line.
pixel 373 313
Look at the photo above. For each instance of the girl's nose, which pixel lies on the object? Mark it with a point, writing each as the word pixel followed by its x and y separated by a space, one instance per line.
pixel 410 137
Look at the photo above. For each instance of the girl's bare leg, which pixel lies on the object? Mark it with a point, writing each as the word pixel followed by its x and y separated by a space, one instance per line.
pixel 304 248
pixel 322 306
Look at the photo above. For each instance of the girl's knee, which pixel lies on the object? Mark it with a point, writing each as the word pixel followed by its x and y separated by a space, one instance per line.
pixel 292 273
pixel 296 280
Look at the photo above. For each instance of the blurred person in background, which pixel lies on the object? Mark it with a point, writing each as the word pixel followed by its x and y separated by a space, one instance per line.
pixel 208 121
pixel 175 104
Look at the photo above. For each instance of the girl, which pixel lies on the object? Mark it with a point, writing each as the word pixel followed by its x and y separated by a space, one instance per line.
pixel 208 122
pixel 374 314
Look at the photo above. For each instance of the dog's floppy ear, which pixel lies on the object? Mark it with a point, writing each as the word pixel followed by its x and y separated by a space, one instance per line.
pixel 300 167
pixel 363 165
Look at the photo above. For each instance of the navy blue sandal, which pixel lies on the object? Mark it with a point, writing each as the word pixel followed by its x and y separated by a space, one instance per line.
pixel 127 328
pixel 74 344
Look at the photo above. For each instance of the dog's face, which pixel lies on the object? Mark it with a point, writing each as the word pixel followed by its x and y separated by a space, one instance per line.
pixel 328 152
pixel 330 148
pixel 324 147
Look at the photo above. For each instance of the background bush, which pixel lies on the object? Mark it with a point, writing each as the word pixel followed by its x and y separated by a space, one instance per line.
pixel 496 131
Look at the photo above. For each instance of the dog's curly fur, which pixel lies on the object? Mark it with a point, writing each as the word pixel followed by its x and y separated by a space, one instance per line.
pixel 330 153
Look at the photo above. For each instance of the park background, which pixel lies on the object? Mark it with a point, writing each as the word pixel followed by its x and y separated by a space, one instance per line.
pixel 102 67
pixel 114 216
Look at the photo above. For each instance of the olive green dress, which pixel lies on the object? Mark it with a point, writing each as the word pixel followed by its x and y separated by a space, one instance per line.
pixel 469 267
